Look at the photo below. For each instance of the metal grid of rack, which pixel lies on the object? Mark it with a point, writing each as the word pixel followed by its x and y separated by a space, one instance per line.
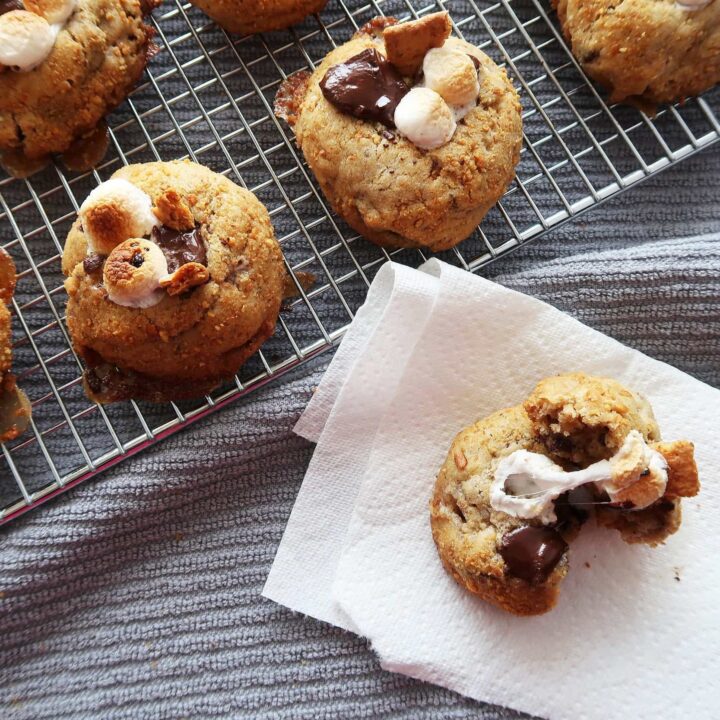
pixel 209 96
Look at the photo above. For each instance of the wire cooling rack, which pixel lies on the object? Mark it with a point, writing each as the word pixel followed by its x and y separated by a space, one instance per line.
pixel 209 96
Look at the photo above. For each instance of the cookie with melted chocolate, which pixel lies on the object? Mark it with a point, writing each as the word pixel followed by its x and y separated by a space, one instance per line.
pixel 389 190
pixel 219 301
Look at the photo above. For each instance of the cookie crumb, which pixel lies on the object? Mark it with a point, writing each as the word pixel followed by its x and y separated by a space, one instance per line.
pixel 683 478
pixel 587 564
pixel 376 26
pixel 676 573
pixel 460 459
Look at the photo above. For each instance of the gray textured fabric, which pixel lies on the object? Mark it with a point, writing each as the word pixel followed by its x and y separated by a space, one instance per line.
pixel 138 595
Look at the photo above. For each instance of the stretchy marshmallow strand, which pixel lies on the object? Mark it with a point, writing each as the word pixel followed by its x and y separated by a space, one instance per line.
pixel 527 484
pixel 115 211
pixel 26 39
pixel 425 119
pixel 132 274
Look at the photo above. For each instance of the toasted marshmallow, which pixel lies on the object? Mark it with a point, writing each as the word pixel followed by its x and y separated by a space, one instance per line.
pixel 54 11
pixel 424 118
pixel 526 484
pixel 113 212
pixel 26 39
pixel 132 273
pixel 452 75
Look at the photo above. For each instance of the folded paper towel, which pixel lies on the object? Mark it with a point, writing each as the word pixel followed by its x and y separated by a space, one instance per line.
pixel 431 351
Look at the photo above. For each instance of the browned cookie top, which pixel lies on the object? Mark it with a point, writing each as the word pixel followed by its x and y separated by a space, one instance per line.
pixel 392 189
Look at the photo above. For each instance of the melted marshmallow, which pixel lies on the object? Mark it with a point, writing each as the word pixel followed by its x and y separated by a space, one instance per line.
pixel 425 119
pixel 26 40
pixel 132 274
pixel 453 75
pixel 429 113
pixel 115 211
pixel 527 484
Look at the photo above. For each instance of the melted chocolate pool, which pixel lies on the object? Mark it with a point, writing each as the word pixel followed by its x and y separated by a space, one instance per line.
pixel 366 86
pixel 180 246
pixel 531 553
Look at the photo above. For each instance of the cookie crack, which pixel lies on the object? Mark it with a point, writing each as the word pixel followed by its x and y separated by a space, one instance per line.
pixel 19 133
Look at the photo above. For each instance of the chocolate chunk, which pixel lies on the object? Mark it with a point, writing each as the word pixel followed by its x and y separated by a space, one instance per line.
pixel 475 61
pixel 567 511
pixel 92 263
pixel 559 443
pixel 531 553
pixel 625 505
pixel 7 6
pixel 137 260
pixel 180 247
pixel 366 86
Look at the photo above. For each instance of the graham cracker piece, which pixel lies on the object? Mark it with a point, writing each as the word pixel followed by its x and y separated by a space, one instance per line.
pixel 407 43
pixel 187 276
pixel 172 210
pixel 683 478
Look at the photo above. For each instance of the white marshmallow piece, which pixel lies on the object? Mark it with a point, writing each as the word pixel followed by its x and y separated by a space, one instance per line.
pixel 26 40
pixel 425 119
pixel 115 211
pixel 140 287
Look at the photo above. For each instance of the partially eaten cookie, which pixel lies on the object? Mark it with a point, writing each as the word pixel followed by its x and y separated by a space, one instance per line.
pixel 517 486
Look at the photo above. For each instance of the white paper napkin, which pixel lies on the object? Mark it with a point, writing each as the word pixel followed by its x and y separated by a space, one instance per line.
pixel 628 639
